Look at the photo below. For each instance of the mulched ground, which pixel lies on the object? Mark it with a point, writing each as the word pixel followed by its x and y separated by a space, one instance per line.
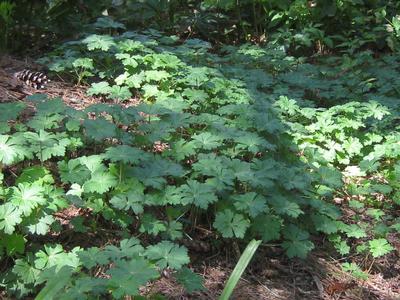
pixel 270 275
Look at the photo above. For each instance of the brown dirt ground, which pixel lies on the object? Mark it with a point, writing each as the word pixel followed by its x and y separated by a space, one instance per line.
pixel 270 275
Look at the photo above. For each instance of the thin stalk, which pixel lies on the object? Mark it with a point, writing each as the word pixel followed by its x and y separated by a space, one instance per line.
pixel 239 16
pixel 255 18
pixel 41 153
pixel 120 171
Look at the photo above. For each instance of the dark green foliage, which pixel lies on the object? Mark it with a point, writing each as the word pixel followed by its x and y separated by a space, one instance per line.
pixel 255 142
pixel 302 26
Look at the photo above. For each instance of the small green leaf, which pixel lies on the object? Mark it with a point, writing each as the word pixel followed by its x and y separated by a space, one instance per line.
pixel 55 284
pixel 200 194
pixel 355 270
pixel 353 230
pixel 77 223
pixel 342 248
pixel 376 213
pixel 174 230
pixel 102 42
pixel 11 111
pixel 41 225
pixel 324 224
pixel 36 174
pixel 133 199
pixel 230 224
pixel 99 129
pixel 25 270
pixel 10 216
pixel 151 225
pixel 10 150
pixel 128 276
pixel 206 140
pixel 297 243
pixel 191 281
pixel 379 247
pixel 250 203
pixel 100 88
pixel 119 92
pixel 268 227
pixel 125 154
pixel 86 63
pixel 14 243
pixel 100 182
pixel 167 254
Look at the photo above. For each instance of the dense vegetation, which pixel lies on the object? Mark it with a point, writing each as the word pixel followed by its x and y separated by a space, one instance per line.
pixel 273 120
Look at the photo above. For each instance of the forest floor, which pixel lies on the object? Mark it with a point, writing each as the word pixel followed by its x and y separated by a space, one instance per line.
pixel 270 275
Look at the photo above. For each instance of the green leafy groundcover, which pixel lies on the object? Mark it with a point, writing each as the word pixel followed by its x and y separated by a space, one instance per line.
pixel 252 140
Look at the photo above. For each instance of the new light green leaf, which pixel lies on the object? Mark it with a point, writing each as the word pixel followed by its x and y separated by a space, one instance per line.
pixel 127 59
pixel 206 140
pixel 83 62
pixel 42 225
pixel 99 88
pixel 26 271
pixel 129 45
pixel 37 174
pixel 100 182
pixel 54 255
pixel 93 163
pixel 102 42
pixel 119 92
pixel 353 230
pixel 10 150
pixel 27 197
pixel 379 247
pixel 156 75
pixel 10 216
pixel 46 144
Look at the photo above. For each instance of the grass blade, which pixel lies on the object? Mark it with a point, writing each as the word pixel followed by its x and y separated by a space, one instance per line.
pixel 239 269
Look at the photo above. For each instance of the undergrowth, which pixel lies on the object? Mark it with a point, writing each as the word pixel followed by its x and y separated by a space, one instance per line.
pixel 255 144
